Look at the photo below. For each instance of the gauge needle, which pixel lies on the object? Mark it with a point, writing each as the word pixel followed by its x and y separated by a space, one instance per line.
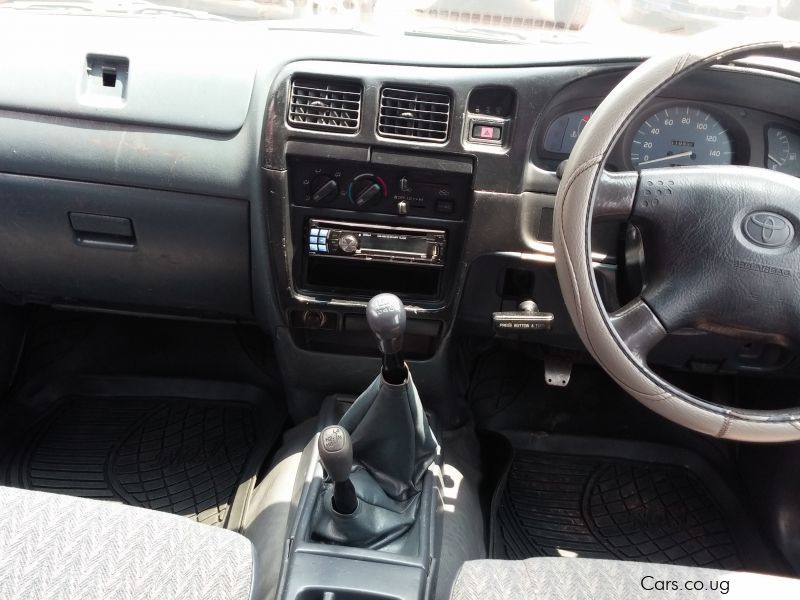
pixel 670 157
pixel 775 160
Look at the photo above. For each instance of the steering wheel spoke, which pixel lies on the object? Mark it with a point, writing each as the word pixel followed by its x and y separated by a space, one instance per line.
pixel 638 327
pixel 616 192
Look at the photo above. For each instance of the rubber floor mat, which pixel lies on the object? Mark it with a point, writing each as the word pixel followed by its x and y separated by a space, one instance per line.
pixel 574 496
pixel 186 447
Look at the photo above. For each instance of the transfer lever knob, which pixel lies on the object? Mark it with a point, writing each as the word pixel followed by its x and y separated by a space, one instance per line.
pixel 336 455
pixel 386 316
pixel 336 452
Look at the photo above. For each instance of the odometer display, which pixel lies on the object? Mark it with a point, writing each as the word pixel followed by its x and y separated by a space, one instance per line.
pixel 680 136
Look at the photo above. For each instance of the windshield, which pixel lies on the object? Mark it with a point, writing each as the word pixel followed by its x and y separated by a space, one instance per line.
pixel 491 21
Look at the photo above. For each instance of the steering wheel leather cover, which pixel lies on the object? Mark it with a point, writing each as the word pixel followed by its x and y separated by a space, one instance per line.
pixel 572 231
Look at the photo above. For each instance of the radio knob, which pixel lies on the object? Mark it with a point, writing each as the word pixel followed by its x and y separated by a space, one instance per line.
pixel 348 243
pixel 322 189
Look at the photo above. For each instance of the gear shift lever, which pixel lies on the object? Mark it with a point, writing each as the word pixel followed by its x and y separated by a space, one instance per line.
pixel 386 316
pixel 336 455
pixel 392 444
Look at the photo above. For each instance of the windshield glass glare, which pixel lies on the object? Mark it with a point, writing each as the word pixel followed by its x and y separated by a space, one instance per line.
pixel 512 21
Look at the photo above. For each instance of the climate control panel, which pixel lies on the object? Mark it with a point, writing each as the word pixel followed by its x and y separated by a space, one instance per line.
pixel 386 189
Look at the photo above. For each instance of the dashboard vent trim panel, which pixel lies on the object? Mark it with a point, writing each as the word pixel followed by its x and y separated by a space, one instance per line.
pixel 414 115
pixel 325 105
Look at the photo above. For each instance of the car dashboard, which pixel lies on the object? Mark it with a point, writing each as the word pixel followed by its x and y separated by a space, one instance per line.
pixel 285 177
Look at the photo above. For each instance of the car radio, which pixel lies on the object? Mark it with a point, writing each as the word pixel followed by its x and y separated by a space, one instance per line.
pixel 380 243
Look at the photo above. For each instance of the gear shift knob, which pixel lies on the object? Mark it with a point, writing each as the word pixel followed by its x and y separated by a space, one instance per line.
pixel 386 316
pixel 336 455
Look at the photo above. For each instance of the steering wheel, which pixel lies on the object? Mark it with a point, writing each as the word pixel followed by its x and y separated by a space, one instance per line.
pixel 721 247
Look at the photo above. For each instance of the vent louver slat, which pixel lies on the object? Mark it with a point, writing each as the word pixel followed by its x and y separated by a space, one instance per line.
pixel 413 114
pixel 325 105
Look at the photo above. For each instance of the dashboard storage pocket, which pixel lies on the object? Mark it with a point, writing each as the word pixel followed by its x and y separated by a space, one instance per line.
pixel 341 274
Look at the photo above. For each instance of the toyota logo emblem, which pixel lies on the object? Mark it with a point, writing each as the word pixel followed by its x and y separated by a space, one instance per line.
pixel 768 229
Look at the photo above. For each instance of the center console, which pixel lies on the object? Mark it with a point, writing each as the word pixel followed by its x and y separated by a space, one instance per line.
pixel 369 221
pixel 366 522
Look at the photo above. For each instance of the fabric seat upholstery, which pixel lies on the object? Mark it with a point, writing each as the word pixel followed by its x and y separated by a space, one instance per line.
pixel 61 547
pixel 595 579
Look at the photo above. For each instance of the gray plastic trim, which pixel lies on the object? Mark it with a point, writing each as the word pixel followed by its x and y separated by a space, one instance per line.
pixel 174 80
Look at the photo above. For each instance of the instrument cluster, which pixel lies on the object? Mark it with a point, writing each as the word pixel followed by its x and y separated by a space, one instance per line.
pixel 674 133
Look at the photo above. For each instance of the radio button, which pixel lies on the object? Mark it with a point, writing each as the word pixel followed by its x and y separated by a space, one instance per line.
pixel 314 232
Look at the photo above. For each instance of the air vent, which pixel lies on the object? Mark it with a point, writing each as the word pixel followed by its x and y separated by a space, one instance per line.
pixel 325 105
pixel 414 115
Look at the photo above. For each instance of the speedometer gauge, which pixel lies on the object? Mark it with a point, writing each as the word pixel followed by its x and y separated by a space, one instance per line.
pixel 680 136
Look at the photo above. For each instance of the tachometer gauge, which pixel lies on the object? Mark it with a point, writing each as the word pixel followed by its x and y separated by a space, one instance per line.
pixel 783 146
pixel 680 136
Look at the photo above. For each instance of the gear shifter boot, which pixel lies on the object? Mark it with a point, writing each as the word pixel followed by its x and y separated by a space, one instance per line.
pixel 377 520
pixel 393 446
pixel 391 436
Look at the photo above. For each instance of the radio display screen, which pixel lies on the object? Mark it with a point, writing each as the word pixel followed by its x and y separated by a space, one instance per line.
pixel 394 243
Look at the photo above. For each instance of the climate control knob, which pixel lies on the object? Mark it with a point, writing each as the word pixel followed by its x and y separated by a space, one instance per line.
pixel 348 243
pixel 366 190
pixel 323 189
